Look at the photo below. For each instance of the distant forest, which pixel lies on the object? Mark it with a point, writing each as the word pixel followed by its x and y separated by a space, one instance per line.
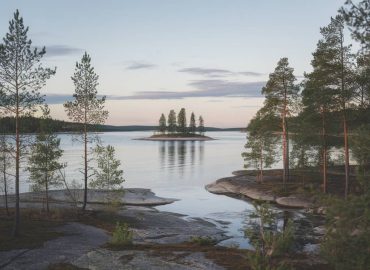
pixel 32 125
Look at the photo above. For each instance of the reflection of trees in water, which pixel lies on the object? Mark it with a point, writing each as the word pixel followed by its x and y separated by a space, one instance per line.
pixel 181 155
pixel 201 151
pixel 171 154
pixel 162 153
pixel 192 152
pixel 177 153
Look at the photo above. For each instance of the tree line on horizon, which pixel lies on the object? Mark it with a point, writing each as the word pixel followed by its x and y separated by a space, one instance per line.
pixel 178 124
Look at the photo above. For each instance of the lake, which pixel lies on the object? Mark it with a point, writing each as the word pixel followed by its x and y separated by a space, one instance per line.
pixel 176 170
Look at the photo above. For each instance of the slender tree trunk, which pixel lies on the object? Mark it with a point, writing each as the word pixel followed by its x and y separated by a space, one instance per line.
pixel 284 152
pixel 17 156
pixel 5 186
pixel 324 153
pixel 345 128
pixel 261 165
pixel 346 156
pixel 47 194
pixel 85 166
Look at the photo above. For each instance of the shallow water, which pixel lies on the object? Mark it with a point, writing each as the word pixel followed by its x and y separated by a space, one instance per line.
pixel 176 170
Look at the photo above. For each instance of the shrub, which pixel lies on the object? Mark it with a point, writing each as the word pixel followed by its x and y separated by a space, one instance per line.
pixel 122 235
pixel 203 241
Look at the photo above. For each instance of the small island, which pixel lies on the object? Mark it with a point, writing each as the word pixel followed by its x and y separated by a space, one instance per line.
pixel 176 128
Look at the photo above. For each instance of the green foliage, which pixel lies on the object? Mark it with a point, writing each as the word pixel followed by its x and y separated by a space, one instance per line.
pixel 192 125
pixel 43 162
pixel 360 142
pixel 181 122
pixel 347 240
pixel 201 125
pixel 260 152
pixel 266 238
pixel 86 108
pixel 203 241
pixel 122 235
pixel 172 122
pixel 357 17
pixel 162 124
pixel 108 174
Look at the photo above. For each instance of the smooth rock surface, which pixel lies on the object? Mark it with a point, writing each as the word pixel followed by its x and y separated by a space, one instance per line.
pixel 103 259
pixel 130 196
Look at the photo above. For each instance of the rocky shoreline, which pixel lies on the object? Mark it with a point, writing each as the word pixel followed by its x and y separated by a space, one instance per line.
pixel 245 184
pixel 64 197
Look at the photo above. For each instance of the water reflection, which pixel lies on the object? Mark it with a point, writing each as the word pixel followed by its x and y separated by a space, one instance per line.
pixel 176 155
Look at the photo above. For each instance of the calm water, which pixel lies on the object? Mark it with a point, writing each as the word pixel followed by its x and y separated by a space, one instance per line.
pixel 176 170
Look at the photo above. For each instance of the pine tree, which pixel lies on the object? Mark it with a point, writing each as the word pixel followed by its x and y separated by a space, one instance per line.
pixel 192 125
pixel 340 74
pixel 86 109
pixel 281 95
pixel 43 163
pixel 181 122
pixel 21 78
pixel 107 175
pixel 357 17
pixel 318 96
pixel 162 124
pixel 261 143
pixel 172 124
pixel 201 125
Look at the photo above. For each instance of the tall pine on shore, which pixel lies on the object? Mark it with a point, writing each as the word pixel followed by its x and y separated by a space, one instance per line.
pixel 87 109
pixel 21 78
pixel 280 97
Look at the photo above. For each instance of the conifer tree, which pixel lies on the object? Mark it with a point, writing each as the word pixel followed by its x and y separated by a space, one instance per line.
pixel 172 123
pixel 108 174
pixel 87 109
pixel 261 144
pixel 192 125
pixel 281 95
pixel 43 163
pixel 21 78
pixel 201 125
pixel 181 122
pixel 162 124
pixel 339 66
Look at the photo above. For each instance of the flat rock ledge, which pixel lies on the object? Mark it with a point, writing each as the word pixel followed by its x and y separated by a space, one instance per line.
pixel 129 196
pixel 241 185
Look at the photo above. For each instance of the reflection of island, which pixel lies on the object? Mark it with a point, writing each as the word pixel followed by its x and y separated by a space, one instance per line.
pixel 178 154
pixel 177 137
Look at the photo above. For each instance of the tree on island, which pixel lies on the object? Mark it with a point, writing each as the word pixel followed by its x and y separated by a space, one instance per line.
pixel 108 174
pixel 281 94
pixel 201 125
pixel 162 124
pixel 21 78
pixel 192 124
pixel 181 122
pixel 172 123
pixel 43 163
pixel 86 109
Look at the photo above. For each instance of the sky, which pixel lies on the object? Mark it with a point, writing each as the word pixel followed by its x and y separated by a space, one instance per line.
pixel 211 57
